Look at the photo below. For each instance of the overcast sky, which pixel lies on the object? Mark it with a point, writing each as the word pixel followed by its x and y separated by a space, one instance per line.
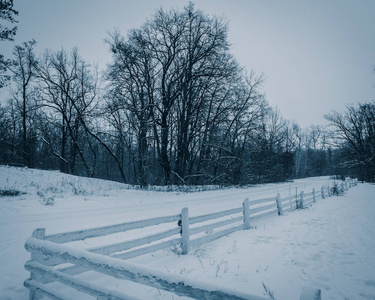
pixel 316 55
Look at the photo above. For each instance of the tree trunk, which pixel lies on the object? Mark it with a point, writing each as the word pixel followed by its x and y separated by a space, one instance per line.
pixel 163 159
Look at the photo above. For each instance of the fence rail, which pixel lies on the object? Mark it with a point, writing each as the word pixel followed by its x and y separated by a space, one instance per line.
pixel 49 255
pixel 101 231
pixel 116 268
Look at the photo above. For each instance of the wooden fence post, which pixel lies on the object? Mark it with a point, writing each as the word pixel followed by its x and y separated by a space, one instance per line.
pixel 301 200
pixel 246 213
pixel 314 197
pixel 38 233
pixel 185 245
pixel 279 205
pixel 323 194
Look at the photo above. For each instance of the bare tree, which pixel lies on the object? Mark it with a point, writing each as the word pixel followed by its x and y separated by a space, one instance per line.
pixel 69 90
pixel 131 93
pixel 162 77
pixel 354 130
pixel 21 67
pixel 7 13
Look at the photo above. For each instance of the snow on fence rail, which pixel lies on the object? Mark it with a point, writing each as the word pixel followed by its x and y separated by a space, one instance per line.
pixel 52 261
pixel 116 268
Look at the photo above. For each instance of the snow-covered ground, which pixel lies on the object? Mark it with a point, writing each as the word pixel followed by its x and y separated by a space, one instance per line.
pixel 328 246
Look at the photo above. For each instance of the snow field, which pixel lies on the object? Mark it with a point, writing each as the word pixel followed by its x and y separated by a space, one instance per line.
pixel 328 246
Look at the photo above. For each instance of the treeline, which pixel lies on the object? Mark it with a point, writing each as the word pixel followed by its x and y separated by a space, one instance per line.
pixel 353 133
pixel 173 107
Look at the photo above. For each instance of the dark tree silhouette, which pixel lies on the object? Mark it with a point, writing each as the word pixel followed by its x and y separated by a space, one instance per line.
pixel 7 13
pixel 354 131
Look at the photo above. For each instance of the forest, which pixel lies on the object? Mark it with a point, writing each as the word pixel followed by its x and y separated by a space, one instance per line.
pixel 173 107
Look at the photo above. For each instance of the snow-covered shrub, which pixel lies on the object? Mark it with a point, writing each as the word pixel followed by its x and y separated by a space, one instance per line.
pixel 182 188
pixel 54 190
pixel 78 189
pixel 337 189
pixel 47 201
pixel 10 193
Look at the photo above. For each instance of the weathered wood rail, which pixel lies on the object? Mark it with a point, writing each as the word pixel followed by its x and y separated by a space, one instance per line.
pixel 52 260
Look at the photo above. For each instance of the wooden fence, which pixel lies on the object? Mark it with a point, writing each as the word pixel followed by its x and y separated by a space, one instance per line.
pixel 52 260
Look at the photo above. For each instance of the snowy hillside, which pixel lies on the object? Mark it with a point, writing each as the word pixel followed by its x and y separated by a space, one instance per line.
pixel 328 246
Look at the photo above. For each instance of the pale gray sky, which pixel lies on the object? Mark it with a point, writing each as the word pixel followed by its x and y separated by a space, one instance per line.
pixel 316 55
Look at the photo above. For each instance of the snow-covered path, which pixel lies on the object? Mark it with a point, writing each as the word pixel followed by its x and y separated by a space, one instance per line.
pixel 328 246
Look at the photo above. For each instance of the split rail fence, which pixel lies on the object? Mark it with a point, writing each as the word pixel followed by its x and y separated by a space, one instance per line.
pixel 54 260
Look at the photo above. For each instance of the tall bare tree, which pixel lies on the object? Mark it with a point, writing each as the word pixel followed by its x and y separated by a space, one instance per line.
pixel 21 68
pixel 163 74
pixel 69 90
pixel 354 130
